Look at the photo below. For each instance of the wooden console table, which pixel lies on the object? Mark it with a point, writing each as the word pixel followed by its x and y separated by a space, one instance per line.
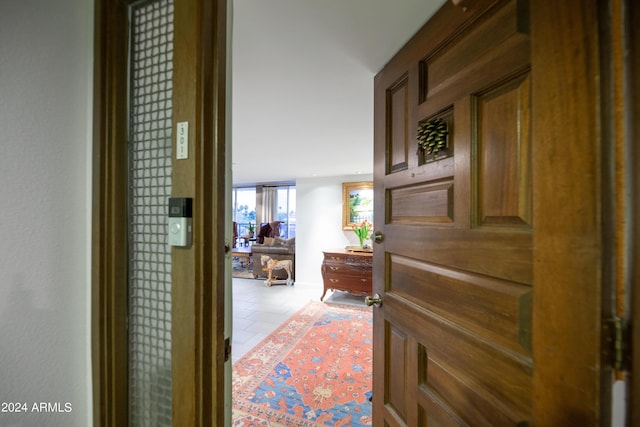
pixel 348 271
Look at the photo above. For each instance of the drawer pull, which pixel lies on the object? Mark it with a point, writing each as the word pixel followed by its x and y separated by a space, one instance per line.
pixel 334 268
pixel 334 280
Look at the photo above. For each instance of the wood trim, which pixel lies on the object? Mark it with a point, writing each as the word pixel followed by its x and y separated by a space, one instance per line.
pixel 618 210
pixel 198 272
pixel 568 143
pixel 633 133
pixel 109 277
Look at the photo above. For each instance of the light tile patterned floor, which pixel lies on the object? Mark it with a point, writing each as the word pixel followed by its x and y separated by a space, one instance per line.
pixel 258 310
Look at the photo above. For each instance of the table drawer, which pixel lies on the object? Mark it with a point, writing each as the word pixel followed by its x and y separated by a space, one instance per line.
pixel 347 283
pixel 348 269
pixel 334 258
pixel 341 281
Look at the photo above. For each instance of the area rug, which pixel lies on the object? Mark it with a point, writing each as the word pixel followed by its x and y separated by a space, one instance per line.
pixel 239 268
pixel 314 370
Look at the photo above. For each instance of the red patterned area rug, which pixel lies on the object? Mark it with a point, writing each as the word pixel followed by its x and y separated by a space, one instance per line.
pixel 314 370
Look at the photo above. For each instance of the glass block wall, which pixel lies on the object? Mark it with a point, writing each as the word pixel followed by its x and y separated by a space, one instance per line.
pixel 149 321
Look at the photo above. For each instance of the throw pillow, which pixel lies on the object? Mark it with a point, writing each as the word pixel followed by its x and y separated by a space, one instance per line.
pixel 278 241
pixel 268 240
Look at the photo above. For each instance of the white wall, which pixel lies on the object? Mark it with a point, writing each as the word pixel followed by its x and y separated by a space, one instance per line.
pixel 45 117
pixel 319 223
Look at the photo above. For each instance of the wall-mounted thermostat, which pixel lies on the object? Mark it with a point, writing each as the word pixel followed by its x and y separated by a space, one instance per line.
pixel 180 221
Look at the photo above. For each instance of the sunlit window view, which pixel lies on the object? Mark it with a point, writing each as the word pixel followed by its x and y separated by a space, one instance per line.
pixel 281 208
pixel 286 212
pixel 244 209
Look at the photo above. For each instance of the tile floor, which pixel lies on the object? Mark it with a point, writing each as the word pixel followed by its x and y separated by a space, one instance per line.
pixel 258 310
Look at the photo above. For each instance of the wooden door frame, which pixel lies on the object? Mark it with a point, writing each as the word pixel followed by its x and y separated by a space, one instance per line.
pixel 567 215
pixel 109 213
pixel 198 355
pixel 632 8
pixel 577 71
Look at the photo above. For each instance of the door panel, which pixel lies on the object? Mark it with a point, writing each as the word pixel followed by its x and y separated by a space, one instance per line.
pixel 496 309
pixel 398 104
pixel 453 335
pixel 503 127
pixel 497 42
pixel 491 264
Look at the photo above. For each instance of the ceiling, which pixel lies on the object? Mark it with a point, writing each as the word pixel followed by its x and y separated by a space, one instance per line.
pixel 302 77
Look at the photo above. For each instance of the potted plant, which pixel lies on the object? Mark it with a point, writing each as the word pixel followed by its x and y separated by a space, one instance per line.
pixel 252 229
pixel 363 231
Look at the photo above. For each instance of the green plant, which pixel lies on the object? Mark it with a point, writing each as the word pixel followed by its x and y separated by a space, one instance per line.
pixel 252 228
pixel 432 136
pixel 363 230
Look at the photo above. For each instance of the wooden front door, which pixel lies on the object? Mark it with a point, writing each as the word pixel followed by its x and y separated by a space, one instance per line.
pixel 490 260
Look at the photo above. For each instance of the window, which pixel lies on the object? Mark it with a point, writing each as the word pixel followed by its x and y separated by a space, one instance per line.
pixel 282 207
pixel 244 208
pixel 286 212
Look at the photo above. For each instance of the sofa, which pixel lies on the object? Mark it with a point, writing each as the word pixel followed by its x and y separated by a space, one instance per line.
pixel 278 249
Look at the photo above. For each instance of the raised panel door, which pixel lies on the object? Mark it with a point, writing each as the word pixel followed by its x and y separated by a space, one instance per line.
pixel 453 338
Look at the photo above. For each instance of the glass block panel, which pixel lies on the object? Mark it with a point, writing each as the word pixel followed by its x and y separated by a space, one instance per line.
pixel 151 63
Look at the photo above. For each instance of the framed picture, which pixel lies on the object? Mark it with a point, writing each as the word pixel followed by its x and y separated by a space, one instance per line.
pixel 357 203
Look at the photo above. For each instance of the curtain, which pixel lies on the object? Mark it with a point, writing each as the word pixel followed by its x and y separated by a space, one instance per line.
pixel 269 204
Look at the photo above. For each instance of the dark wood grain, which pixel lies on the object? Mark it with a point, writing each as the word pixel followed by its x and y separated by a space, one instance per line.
pixel 109 217
pixel 567 386
pixel 457 254
pixel 521 253
pixel 504 308
pixel 198 274
pixel 632 122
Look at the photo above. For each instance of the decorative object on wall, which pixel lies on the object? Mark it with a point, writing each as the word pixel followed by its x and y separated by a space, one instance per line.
pixel 357 203
pixel 432 136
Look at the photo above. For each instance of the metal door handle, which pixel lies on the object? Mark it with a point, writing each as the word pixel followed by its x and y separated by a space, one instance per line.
pixel 378 237
pixel 374 300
